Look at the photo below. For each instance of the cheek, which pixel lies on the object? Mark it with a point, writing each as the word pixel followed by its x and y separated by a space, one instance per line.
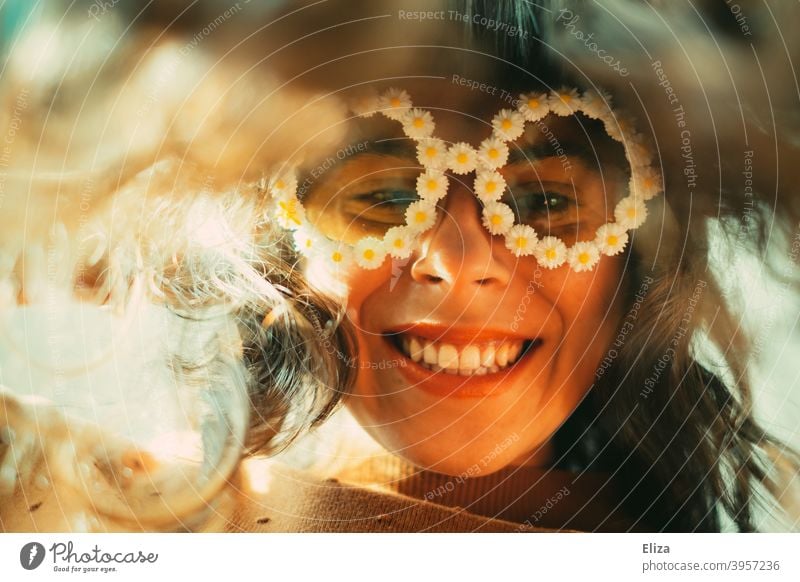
pixel 588 305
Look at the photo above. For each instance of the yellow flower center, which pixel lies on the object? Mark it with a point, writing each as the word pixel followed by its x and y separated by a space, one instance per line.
pixel 419 122
pixel 399 243
pixel 491 186
pixel 631 212
pixel 308 243
pixel 648 182
pixel 280 184
pixel 506 124
pixel 533 103
pixel 462 158
pixel 522 242
pixel 430 152
pixel 566 98
pixel 612 240
pixel 432 184
pixel 496 219
pixel 337 257
pixel 493 153
pixel 550 254
pixel 290 210
pixel 369 254
pixel 583 258
pixel 421 216
pixel 395 102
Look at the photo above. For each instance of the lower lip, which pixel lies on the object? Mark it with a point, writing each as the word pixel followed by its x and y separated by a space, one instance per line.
pixel 457 386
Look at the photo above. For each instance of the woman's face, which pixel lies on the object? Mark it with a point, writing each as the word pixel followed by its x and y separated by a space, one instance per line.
pixel 469 357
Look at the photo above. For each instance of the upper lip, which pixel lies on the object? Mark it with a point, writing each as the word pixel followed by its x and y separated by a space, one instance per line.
pixel 455 333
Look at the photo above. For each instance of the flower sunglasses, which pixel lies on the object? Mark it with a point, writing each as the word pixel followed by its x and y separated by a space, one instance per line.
pixel 437 157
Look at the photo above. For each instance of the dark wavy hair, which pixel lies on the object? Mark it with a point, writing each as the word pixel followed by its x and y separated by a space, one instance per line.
pixel 669 417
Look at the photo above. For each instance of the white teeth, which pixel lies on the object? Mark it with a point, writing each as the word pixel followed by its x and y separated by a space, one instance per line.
pixel 487 357
pixel 448 356
pixel 431 354
pixel 501 355
pixel 469 360
pixel 415 349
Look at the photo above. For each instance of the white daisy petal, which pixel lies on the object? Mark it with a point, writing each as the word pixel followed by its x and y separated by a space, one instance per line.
pixel 395 103
pixel 340 257
pixel 508 124
pixel 418 124
pixel 498 218
pixel 630 212
pixel 432 153
pixel 564 102
pixel 369 253
pixel 521 240
pixel 365 104
pixel 611 239
pixel 534 106
pixel 551 252
pixel 421 215
pixel 283 185
pixel 595 105
pixel 307 241
pixel 583 256
pixel 493 153
pixel 638 150
pixel 399 242
pixel 646 183
pixel 489 186
pixel 289 212
pixel 461 158
pixel 432 185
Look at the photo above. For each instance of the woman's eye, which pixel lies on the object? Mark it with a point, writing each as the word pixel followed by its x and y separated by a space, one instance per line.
pixel 384 206
pixel 388 197
pixel 545 210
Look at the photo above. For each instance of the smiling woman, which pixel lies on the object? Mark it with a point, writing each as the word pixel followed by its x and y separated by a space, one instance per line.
pixel 432 236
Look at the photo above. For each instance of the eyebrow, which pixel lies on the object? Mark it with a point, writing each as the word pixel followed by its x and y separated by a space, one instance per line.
pixel 544 150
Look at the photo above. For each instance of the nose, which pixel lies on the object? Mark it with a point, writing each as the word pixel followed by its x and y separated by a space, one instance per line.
pixel 459 250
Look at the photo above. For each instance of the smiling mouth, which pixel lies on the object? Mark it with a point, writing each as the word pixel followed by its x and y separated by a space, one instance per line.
pixel 472 359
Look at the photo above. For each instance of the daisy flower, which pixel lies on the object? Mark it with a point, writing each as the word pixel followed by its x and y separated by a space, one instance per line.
pixel 365 104
pixel 290 213
pixel 420 215
pixel 508 124
pixel 461 158
pixel 638 150
pixel 340 257
pixel 564 102
pixel 418 123
pixel 583 256
pixel 631 212
pixel 521 240
pixel 306 241
pixel 399 242
pixel 595 104
pixel 432 185
pixel 493 153
pixel 646 183
pixel 283 185
pixel 534 106
pixel 489 186
pixel 611 239
pixel 395 103
pixel 498 218
pixel 432 153
pixel 551 252
pixel 369 252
